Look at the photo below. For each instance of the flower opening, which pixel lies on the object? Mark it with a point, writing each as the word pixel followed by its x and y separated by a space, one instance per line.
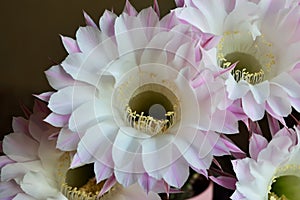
pixel 255 58
pixel 80 183
pixel 152 109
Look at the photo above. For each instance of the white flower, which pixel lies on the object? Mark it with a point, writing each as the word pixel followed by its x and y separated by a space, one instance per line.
pixel 273 171
pixel 135 100
pixel 263 37
pixel 32 167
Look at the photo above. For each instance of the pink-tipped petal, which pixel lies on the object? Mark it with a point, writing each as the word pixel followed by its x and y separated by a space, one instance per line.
pixel 107 22
pixel 88 20
pixel 257 143
pixel 224 181
pixel 19 124
pixel 57 120
pixel 44 96
pixel 109 183
pixel 70 44
pixel 102 171
pixel 129 9
pixel 156 7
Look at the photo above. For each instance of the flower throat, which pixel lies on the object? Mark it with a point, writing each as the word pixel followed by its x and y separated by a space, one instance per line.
pixel 150 109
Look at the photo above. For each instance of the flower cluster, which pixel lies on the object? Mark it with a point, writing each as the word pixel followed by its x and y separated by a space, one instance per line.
pixel 142 103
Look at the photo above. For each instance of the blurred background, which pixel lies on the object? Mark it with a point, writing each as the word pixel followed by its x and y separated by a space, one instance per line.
pixel 30 42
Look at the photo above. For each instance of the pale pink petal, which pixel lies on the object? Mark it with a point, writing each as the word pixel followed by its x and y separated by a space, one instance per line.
pixel 67 140
pixel 88 20
pixel 9 190
pixel 280 105
pixel 109 183
pixel 20 147
pixel 57 120
pixel 252 109
pixel 38 186
pixel 102 171
pixel 291 87
pixel 295 103
pixel 149 18
pixel 129 9
pixel 20 125
pixel 16 171
pixel 156 8
pixel 97 142
pixel 177 173
pixel 169 21
pixel 58 78
pixel 273 124
pixel 88 38
pixel 179 3
pixel 4 160
pixel 237 196
pixel 224 181
pixel 107 22
pixel 44 96
pixel 257 143
pixel 70 44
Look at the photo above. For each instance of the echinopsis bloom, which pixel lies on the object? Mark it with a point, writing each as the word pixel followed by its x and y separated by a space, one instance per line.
pixel 263 37
pixel 33 169
pixel 134 99
pixel 273 171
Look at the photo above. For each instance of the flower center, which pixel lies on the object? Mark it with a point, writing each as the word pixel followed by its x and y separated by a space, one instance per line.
pixel 285 188
pixel 254 56
pixel 152 109
pixel 285 184
pixel 80 183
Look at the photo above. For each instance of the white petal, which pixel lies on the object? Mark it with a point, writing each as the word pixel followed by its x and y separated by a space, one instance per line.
pixel 88 38
pixel 67 140
pixel 97 143
pixel 127 150
pixel 82 67
pixel 177 173
pixel 252 109
pixel 260 91
pixel 16 171
pixel 67 99
pixel 39 186
pixel 281 106
pixel 159 153
pixel 257 143
pixel 107 22
pixel 235 89
pixel 129 34
pixel 89 114
pixel 289 85
pixel 126 179
pixel 70 44
pixel 58 78
pixel 102 171
pixel 20 147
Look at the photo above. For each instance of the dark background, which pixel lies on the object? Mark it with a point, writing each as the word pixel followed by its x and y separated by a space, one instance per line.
pixel 29 40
